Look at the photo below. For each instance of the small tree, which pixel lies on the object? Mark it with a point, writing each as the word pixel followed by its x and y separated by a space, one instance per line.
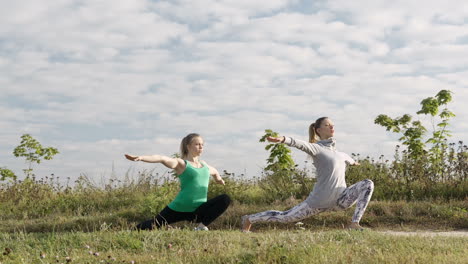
pixel 282 179
pixel 413 132
pixel 280 155
pixel 440 134
pixel 33 152
pixel 6 173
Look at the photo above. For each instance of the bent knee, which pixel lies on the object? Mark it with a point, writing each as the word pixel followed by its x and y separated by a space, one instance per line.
pixel 226 199
pixel 369 183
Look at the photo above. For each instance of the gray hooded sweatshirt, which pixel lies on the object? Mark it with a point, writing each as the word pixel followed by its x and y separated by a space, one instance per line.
pixel 330 165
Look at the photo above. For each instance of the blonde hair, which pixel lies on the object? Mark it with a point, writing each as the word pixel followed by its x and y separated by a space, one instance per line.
pixel 313 135
pixel 185 142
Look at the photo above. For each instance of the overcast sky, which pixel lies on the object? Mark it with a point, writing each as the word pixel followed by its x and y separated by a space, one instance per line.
pixel 100 78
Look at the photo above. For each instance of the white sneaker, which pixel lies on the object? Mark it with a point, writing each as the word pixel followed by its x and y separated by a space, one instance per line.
pixel 201 228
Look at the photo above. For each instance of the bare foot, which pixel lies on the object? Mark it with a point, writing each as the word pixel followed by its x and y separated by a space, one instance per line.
pixel 246 225
pixel 355 226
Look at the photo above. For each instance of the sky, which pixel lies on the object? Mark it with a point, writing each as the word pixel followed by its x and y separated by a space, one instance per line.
pixel 99 78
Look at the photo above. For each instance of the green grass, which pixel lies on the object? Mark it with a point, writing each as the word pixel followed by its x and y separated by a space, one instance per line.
pixel 272 246
pixel 380 215
pixel 59 235
pixel 37 217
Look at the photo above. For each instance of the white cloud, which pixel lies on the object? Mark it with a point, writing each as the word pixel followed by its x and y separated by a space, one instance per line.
pixel 97 79
pixel 207 11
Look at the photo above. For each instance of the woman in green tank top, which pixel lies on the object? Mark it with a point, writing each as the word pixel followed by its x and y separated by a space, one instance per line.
pixel 191 202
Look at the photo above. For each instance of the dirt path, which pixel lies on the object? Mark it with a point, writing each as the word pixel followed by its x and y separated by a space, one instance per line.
pixel 428 233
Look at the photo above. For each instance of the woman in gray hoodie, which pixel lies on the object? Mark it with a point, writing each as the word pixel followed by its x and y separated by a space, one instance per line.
pixel 330 191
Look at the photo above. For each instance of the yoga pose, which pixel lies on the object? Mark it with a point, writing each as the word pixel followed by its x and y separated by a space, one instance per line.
pixel 191 202
pixel 330 191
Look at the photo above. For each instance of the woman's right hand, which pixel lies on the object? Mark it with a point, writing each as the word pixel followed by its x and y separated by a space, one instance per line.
pixel 275 139
pixel 133 158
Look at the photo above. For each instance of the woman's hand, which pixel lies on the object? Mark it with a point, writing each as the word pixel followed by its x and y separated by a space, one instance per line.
pixel 220 181
pixel 352 163
pixel 275 139
pixel 133 158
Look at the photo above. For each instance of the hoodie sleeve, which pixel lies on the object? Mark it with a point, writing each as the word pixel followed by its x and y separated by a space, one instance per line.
pixel 309 148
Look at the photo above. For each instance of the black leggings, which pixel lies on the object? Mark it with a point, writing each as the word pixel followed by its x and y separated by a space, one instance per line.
pixel 205 213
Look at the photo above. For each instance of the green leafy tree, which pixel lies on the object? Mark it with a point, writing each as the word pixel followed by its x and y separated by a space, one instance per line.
pixel 414 132
pixel 430 106
pixel 33 152
pixel 440 134
pixel 281 178
pixel 280 155
pixel 6 173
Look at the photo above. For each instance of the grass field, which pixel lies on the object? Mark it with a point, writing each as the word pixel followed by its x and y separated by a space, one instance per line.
pixel 271 246
pixel 108 237
pixel 380 215
pixel 44 223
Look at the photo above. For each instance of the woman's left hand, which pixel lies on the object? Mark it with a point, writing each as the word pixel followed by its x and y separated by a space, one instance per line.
pixel 275 139
pixel 220 181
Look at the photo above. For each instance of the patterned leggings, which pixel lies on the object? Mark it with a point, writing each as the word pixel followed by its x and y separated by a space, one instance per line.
pixel 359 193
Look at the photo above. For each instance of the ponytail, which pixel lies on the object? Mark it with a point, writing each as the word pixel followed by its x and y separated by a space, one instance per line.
pixel 312 133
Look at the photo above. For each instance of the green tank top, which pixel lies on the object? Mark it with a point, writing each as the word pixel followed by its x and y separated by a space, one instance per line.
pixel 193 188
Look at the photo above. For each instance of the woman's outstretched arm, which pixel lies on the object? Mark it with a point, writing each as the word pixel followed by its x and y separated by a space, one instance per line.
pixel 276 139
pixel 309 148
pixel 172 163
